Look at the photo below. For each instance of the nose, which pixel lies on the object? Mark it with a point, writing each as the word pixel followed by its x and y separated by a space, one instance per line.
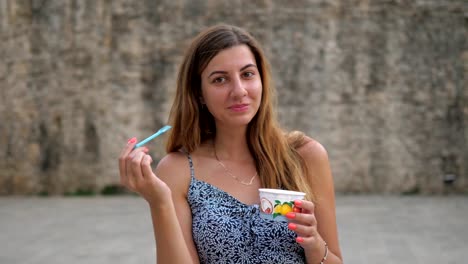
pixel 238 89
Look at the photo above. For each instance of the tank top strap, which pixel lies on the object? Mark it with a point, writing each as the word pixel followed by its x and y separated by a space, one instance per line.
pixel 189 157
pixel 192 170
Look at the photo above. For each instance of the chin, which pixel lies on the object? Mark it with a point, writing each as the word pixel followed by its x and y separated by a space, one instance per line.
pixel 241 121
pixel 246 121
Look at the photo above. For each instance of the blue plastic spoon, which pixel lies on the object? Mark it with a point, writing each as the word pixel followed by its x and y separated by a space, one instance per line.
pixel 161 131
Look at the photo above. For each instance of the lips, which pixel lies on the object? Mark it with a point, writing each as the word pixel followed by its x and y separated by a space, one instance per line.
pixel 239 107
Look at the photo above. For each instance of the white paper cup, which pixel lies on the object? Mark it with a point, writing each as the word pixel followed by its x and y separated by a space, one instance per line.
pixel 276 203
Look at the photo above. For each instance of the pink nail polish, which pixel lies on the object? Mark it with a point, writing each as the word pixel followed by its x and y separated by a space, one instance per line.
pixel 299 239
pixel 292 226
pixel 132 140
pixel 297 202
pixel 290 215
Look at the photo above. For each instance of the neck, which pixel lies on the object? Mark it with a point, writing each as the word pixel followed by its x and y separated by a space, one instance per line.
pixel 232 144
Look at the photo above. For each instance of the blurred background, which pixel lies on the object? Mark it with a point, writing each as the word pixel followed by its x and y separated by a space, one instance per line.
pixel 380 83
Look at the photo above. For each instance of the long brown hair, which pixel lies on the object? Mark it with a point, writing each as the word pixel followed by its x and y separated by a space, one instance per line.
pixel 277 161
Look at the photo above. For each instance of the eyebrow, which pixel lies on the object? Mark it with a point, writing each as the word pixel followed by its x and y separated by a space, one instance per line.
pixel 241 69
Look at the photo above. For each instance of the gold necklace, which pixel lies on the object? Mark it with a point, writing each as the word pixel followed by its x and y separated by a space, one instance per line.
pixel 232 175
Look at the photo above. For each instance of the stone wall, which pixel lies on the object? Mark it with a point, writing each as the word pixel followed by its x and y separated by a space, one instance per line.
pixel 380 83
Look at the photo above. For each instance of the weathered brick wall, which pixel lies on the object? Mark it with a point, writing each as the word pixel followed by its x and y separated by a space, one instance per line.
pixel 381 83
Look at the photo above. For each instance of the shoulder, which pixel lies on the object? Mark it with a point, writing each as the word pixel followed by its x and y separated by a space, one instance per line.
pixel 315 157
pixel 319 173
pixel 174 170
pixel 171 162
pixel 313 151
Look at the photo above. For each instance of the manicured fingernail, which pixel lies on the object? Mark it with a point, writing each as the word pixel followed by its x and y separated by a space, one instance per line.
pixel 299 240
pixel 292 226
pixel 145 149
pixel 132 140
pixel 290 215
pixel 297 202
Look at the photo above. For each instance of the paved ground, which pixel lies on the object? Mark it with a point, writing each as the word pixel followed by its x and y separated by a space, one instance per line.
pixel 103 230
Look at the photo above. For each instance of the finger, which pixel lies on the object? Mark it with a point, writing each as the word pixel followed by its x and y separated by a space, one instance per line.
pixel 306 206
pixel 135 175
pixel 144 149
pixel 302 230
pixel 129 158
pixel 133 152
pixel 146 166
pixel 302 218
pixel 128 150
pixel 129 147
pixel 123 156
pixel 307 240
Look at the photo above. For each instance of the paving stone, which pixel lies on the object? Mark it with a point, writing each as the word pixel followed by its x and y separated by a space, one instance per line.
pixel 101 230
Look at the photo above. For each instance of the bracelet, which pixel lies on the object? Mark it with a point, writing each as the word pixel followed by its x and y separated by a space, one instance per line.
pixel 325 255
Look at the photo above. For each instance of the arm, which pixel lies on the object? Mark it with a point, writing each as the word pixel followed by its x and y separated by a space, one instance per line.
pixel 170 212
pixel 174 171
pixel 323 210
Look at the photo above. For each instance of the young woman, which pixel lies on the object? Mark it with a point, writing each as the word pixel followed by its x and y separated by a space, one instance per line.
pixel 226 144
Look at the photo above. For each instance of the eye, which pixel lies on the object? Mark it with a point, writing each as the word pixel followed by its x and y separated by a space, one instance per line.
pixel 248 74
pixel 219 80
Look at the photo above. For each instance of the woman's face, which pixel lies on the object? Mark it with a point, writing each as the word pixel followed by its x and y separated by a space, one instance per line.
pixel 232 87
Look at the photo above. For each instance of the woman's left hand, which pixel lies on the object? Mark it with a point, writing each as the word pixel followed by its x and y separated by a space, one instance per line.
pixel 304 224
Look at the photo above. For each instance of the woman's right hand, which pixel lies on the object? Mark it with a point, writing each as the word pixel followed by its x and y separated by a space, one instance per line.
pixel 136 174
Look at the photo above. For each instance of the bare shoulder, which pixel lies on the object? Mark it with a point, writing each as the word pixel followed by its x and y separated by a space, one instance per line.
pixel 174 170
pixel 313 151
pixel 319 173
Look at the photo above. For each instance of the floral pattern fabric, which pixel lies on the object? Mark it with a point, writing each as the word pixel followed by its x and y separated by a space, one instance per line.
pixel 225 230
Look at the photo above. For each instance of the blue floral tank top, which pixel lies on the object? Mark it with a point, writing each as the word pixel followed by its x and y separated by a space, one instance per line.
pixel 225 230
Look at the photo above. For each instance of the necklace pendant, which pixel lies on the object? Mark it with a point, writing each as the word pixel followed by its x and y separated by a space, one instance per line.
pixel 232 175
